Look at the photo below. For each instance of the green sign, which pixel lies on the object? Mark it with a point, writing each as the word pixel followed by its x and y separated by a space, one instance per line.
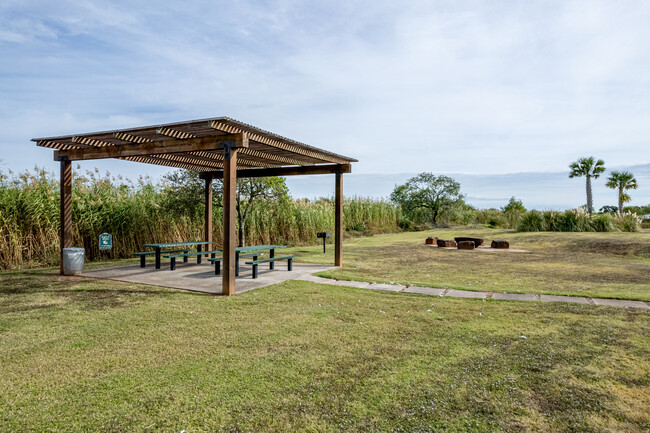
pixel 105 241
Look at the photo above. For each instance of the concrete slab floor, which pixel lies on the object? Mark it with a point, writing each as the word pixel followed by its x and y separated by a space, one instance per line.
pixel 201 278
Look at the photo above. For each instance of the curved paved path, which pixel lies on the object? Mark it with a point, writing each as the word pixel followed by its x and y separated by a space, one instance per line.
pixel 625 303
pixel 201 278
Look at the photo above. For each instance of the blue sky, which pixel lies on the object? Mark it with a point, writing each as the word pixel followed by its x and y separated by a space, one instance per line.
pixel 465 87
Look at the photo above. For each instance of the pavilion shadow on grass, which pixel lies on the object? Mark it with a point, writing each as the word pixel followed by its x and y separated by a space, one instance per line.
pixel 218 148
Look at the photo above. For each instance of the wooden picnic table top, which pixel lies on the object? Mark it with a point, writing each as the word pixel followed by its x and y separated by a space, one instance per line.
pixel 258 247
pixel 176 244
pixel 239 249
pixel 253 248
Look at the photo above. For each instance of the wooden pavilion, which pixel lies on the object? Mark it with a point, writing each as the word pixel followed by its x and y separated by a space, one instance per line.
pixel 217 148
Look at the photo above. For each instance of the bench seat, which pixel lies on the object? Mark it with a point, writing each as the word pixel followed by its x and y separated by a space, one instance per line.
pixel 255 263
pixel 251 255
pixel 189 254
pixel 216 261
pixel 143 254
pixel 198 254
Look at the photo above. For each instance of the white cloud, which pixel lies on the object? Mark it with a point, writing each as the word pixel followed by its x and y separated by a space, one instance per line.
pixel 483 87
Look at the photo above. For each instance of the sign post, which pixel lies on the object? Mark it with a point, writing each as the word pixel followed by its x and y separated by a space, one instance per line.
pixel 324 235
pixel 105 241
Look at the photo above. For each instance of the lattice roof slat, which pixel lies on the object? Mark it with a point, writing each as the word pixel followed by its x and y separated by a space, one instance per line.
pixel 188 145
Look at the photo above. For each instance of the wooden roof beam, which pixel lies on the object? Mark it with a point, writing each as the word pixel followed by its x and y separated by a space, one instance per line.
pixel 206 155
pixel 240 161
pixel 163 162
pixel 285 171
pixel 215 142
pixel 269 156
pixel 215 124
pixel 189 160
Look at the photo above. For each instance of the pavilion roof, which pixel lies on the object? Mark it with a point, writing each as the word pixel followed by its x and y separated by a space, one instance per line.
pixel 193 145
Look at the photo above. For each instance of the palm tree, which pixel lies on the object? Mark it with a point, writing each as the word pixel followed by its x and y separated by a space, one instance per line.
pixel 622 180
pixel 589 168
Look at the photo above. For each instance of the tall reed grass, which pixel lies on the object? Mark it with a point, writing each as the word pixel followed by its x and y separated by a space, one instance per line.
pixel 142 212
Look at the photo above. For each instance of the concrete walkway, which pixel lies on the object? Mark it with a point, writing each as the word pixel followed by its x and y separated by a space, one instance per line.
pixel 201 278
pixel 480 295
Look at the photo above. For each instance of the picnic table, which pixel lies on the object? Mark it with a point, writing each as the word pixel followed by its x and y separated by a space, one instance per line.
pixel 159 247
pixel 255 248
pixel 247 252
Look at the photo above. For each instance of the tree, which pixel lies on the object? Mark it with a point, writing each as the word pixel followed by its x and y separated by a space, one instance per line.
pixel 250 191
pixel 514 205
pixel 622 180
pixel 589 168
pixel 513 212
pixel 437 195
pixel 608 209
pixel 185 195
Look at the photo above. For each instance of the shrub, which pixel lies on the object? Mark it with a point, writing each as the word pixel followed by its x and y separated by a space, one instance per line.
pixel 513 212
pixel 533 221
pixel 604 222
pixel 493 218
pixel 630 222
pixel 551 222
pixel 573 220
pixel 577 220
pixel 495 222
pixel 464 214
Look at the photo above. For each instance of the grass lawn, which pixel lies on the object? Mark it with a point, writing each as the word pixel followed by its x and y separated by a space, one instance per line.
pixel 86 355
pixel 607 265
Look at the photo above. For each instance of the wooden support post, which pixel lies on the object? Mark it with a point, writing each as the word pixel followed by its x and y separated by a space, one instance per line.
pixel 338 220
pixel 66 207
pixel 208 210
pixel 229 220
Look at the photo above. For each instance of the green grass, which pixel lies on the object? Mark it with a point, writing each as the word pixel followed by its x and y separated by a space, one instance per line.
pixel 87 355
pixel 608 265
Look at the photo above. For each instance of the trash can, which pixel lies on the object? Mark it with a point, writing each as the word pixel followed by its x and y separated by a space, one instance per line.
pixel 73 261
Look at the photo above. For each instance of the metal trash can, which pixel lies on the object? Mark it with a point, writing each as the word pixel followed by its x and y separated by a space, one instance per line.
pixel 73 261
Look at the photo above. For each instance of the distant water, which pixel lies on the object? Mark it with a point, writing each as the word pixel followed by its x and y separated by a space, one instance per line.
pixel 536 190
